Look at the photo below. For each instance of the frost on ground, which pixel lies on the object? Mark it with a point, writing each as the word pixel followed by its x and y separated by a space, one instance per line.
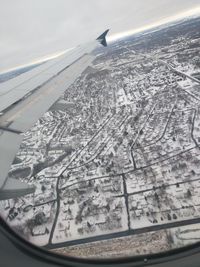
pixel 119 153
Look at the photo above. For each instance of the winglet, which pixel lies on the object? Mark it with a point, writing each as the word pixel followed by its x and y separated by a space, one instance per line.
pixel 102 38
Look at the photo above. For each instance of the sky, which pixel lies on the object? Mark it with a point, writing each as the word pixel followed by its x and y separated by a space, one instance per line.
pixel 32 30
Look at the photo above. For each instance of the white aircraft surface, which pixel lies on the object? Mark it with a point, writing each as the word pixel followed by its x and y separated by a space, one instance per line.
pixel 24 99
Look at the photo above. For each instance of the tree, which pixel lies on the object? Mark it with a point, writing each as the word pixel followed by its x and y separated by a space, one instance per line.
pixel 30 225
pixel 108 169
pixel 96 189
pixel 169 217
pixel 125 133
pixel 43 188
pixel 156 196
pixel 89 225
pixel 46 231
pixel 108 207
pixel 189 194
pixel 39 218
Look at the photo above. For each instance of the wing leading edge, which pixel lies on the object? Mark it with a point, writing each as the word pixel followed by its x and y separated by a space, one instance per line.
pixel 23 100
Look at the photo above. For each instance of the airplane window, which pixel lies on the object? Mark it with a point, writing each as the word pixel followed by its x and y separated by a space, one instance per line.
pixel 107 141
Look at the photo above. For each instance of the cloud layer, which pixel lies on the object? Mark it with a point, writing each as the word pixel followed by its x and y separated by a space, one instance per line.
pixel 31 29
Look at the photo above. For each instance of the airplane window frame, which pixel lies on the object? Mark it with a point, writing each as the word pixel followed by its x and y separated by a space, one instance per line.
pixel 162 259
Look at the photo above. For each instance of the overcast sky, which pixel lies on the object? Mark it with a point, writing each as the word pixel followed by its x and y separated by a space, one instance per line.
pixel 32 29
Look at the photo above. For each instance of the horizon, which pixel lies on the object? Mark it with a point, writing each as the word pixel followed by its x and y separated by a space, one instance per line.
pixel 190 14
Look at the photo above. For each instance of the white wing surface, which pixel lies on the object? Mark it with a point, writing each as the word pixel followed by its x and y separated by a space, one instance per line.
pixel 24 99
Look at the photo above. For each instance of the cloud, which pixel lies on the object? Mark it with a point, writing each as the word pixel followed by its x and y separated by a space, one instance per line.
pixel 31 29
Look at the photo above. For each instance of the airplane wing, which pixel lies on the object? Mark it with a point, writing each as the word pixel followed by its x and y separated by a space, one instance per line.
pixel 24 99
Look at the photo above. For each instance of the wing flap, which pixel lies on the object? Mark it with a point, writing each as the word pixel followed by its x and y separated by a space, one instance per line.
pixel 9 145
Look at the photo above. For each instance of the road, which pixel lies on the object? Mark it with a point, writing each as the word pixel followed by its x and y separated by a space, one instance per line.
pixel 123 233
